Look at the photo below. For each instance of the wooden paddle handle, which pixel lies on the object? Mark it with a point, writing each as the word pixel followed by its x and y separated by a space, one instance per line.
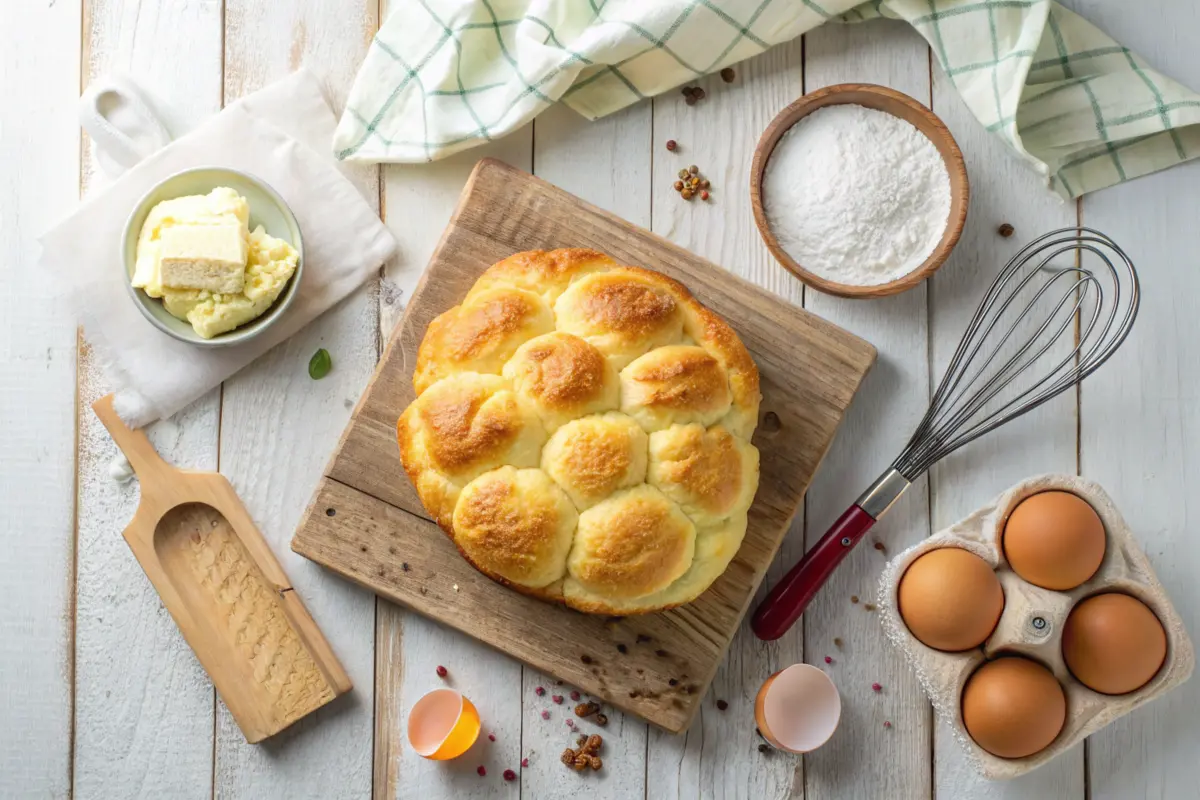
pixel 133 443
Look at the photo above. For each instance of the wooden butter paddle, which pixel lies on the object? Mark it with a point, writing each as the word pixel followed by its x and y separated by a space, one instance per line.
pixel 226 591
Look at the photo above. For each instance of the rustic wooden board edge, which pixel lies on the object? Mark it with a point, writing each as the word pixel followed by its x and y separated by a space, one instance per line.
pixel 313 542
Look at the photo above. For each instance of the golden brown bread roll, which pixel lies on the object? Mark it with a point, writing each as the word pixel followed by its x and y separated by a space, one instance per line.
pixel 517 524
pixel 563 378
pixel 582 432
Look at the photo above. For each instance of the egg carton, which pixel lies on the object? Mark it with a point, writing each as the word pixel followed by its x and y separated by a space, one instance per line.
pixel 1032 623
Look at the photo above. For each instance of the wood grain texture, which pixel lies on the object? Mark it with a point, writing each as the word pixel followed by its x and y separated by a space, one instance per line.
pixel 607 163
pixel 417 202
pixel 40 177
pixel 144 706
pixel 1140 419
pixel 223 587
pixel 1003 190
pixel 505 211
pixel 892 402
pixel 278 426
pixel 718 757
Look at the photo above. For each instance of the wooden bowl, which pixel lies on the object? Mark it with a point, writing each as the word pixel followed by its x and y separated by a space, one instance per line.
pixel 897 104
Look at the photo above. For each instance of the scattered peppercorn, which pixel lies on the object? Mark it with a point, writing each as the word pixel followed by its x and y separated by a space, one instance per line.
pixel 581 740
pixel 690 100
pixel 567 757
pixel 593 743
pixel 854 599
pixel 491 737
pixel 876 687
pixel 586 709
pixel 595 762
pixel 828 659
pixel 693 170
pixel 683 173
pixel 524 762
pixel 570 723
pixel 686 194
pixel 441 671
pixel 679 186
pixel 671 145
pixel 762 748
pixel 539 691
pixel 728 75
pixel 869 606
pixel 704 195
pixel 601 720
pixel 704 184
pixel 509 775
pixel 545 715
pixel 1006 230
pixel 698 93
pixel 879 546
pixel 837 642
pixel 482 770
pixel 887 724
pixel 574 695
pixel 722 705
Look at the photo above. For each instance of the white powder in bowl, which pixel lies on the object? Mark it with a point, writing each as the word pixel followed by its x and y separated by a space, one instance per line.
pixel 856 196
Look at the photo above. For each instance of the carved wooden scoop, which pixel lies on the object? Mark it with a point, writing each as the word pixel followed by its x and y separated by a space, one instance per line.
pixel 221 582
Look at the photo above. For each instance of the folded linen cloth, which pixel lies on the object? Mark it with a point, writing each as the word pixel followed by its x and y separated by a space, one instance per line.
pixel 445 75
pixel 280 134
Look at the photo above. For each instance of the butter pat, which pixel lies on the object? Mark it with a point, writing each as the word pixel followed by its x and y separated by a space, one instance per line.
pixel 211 257
pixel 221 206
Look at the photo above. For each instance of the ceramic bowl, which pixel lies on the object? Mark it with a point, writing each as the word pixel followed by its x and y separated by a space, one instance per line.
pixel 897 104
pixel 267 208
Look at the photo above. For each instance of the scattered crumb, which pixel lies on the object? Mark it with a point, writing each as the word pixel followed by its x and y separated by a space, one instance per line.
pixel 456 587
pixel 869 606
pixel 722 705
pixel 837 642
pixel 854 599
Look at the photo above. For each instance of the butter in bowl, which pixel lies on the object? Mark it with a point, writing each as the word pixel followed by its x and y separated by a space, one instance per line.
pixel 213 256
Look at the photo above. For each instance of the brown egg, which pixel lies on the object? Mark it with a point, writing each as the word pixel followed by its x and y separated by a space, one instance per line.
pixel 950 599
pixel 1054 540
pixel 1013 707
pixel 1113 643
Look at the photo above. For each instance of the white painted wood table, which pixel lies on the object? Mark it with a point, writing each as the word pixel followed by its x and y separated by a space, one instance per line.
pixel 101 698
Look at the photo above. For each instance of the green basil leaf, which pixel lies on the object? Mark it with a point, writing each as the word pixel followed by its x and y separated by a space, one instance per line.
pixel 320 364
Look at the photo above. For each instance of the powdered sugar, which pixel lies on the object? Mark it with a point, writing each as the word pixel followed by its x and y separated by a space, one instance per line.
pixel 856 196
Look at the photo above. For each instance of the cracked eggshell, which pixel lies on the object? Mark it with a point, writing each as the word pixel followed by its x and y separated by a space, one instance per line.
pixel 1032 622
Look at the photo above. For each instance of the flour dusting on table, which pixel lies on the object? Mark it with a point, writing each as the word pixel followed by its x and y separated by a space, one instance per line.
pixel 856 196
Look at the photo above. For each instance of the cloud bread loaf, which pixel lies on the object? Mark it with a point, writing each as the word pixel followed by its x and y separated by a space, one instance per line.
pixel 582 432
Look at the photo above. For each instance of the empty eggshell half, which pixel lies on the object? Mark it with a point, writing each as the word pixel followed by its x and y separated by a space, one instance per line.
pixel 442 725
pixel 798 708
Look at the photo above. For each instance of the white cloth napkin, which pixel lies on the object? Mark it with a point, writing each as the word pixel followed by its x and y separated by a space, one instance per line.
pixel 280 134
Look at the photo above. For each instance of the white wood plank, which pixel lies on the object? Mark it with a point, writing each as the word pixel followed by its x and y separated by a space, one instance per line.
pixel 607 162
pixel 418 201
pixel 890 404
pixel 278 427
pixel 144 706
pixel 718 756
pixel 1139 416
pixel 39 79
pixel 1002 190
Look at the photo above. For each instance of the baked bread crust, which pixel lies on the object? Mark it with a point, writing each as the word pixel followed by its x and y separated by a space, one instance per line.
pixel 582 432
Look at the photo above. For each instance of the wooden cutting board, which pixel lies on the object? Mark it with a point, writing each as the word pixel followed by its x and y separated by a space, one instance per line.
pixel 366 522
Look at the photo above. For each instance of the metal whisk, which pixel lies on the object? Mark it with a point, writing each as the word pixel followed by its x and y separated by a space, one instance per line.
pixel 1041 329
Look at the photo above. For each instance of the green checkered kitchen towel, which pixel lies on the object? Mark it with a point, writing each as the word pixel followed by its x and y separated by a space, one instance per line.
pixel 446 75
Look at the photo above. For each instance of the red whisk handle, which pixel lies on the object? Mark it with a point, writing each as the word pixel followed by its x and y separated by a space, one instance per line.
pixel 788 599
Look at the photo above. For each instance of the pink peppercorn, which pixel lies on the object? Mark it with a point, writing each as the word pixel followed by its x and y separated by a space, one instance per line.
pixel 887 724
pixel 828 659
pixel 570 723
pixel 539 691
pixel 524 762
pixel 482 770
pixel 876 687
pixel 574 695
pixel 545 715
pixel 441 671
pixel 558 698
pixel 509 775
pixel 491 737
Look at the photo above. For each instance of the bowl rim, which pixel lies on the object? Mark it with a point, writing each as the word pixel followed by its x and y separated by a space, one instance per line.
pixel 128 255
pixel 937 133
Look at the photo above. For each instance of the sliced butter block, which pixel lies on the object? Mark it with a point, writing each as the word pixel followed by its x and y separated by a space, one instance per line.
pixel 220 206
pixel 205 256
